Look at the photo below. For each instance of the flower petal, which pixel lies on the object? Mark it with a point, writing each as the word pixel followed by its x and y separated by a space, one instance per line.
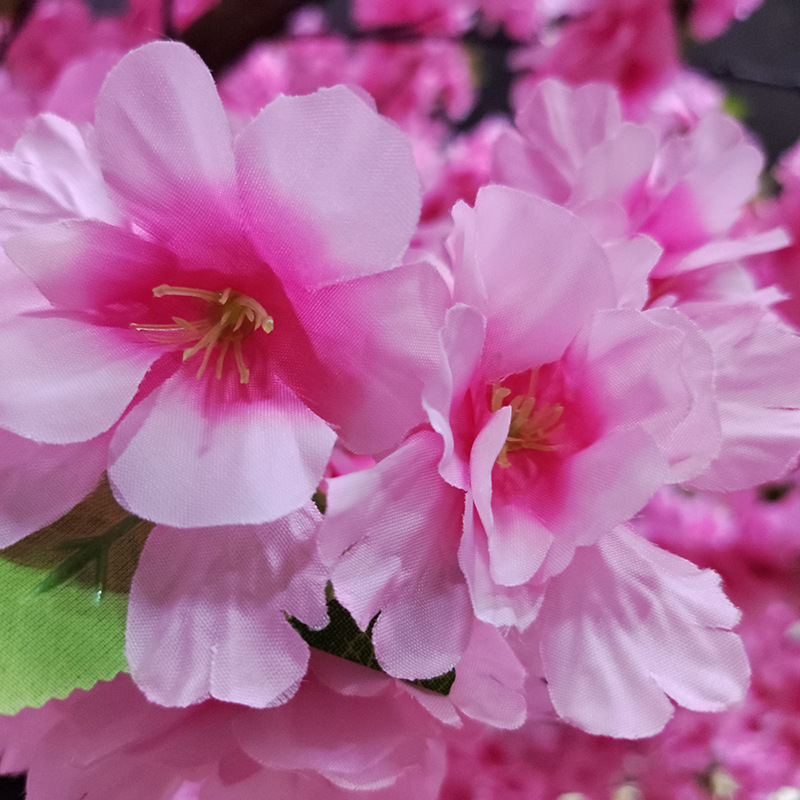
pixel 329 187
pixel 181 459
pixel 492 602
pixel 627 622
pixel 63 380
pixel 759 401
pixel 86 265
pixel 391 536
pixel 207 615
pixel 461 347
pixel 489 680
pixel 69 472
pixel 544 275
pixel 165 143
pixel 379 337
pixel 51 175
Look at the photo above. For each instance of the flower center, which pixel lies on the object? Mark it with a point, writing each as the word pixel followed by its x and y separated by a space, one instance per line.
pixel 231 317
pixel 532 427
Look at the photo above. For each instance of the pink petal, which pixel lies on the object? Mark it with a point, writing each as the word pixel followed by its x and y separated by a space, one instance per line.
pixel 355 742
pixel 165 143
pixel 207 615
pixel 544 275
pixel 329 187
pixel 86 265
pixel 41 482
pixel 490 680
pixel 603 486
pixel 493 603
pixel 182 459
pixel 517 541
pixel 655 369
pixel 566 122
pixel 391 536
pixel 51 175
pixel 626 623
pixel 614 166
pixel 63 380
pixel 379 337
pixel 485 450
pixel 461 347
pixel 757 359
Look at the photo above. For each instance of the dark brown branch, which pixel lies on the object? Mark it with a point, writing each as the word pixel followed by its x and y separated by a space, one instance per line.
pixel 225 32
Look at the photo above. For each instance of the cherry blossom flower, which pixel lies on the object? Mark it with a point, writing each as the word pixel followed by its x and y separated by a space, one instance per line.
pixel 235 318
pixel 552 430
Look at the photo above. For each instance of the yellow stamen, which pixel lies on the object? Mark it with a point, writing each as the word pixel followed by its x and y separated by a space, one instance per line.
pixel 232 316
pixel 531 428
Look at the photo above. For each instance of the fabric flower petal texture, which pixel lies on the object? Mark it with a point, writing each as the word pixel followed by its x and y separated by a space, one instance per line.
pixel 208 611
pixel 204 330
pixel 627 623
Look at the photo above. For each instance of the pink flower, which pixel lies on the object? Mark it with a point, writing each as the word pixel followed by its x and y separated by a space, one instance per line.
pixel 373 741
pixel 560 424
pixel 414 83
pixel 554 427
pixel 630 43
pixel 247 306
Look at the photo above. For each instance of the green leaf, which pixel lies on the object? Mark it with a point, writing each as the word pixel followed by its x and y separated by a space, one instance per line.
pixel 342 637
pixel 56 641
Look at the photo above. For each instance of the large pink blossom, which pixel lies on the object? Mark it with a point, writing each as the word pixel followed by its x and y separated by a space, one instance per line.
pixel 247 306
pixel 688 193
pixel 544 402
pixel 553 429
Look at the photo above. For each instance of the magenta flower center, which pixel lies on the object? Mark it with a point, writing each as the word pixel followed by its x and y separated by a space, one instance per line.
pixel 231 317
pixel 533 426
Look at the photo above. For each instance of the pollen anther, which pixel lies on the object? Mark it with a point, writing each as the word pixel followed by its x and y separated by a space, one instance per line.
pixel 232 316
pixel 531 428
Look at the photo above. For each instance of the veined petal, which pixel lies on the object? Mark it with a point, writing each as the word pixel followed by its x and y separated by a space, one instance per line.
pixel 627 622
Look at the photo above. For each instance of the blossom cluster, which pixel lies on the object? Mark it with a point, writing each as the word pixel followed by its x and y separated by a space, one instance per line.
pixel 431 450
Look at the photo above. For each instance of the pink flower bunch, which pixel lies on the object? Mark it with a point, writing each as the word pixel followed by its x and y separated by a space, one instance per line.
pixel 750 751
pixel 60 57
pixel 412 82
pixel 412 414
